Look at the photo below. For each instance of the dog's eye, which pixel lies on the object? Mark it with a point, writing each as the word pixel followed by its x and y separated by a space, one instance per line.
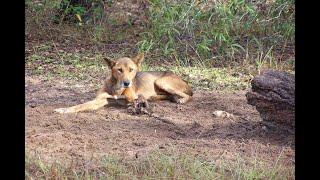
pixel 120 70
pixel 130 69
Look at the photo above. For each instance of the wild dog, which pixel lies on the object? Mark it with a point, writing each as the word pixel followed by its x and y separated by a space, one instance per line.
pixel 126 81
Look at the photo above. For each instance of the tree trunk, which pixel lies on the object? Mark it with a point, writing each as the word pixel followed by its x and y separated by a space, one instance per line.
pixel 273 95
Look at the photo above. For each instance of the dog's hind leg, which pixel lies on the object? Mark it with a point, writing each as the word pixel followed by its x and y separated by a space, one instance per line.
pixel 174 86
pixel 98 102
pixel 159 97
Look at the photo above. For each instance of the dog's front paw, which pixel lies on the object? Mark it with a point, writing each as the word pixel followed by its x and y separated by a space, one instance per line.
pixel 140 102
pixel 181 101
pixel 64 110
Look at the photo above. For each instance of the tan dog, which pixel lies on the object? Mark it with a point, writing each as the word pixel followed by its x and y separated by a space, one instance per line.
pixel 127 82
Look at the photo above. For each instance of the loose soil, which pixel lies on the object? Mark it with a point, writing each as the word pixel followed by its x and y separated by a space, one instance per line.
pixel 114 130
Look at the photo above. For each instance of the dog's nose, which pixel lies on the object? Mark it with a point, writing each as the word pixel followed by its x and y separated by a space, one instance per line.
pixel 126 83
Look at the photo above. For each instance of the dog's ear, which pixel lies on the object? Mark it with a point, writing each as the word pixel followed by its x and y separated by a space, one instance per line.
pixel 109 62
pixel 138 59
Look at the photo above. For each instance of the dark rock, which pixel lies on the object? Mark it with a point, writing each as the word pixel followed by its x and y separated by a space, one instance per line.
pixel 273 95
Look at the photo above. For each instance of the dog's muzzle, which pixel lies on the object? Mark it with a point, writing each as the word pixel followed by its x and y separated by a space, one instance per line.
pixel 126 84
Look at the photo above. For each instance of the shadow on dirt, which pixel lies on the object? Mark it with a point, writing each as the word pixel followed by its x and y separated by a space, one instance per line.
pixel 237 130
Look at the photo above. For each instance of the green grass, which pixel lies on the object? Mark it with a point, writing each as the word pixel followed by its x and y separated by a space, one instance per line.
pixel 49 61
pixel 223 32
pixel 84 66
pixel 210 78
pixel 156 165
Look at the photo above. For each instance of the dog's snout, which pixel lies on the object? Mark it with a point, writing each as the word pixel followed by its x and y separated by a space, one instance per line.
pixel 126 83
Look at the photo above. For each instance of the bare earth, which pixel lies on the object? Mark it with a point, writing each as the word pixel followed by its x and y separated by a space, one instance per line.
pixel 113 130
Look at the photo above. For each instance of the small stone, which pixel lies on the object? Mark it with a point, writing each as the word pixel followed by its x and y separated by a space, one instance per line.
pixel 264 128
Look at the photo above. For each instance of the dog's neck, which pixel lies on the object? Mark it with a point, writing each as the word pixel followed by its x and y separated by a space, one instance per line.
pixel 130 92
pixel 114 90
pixel 110 86
pixel 113 81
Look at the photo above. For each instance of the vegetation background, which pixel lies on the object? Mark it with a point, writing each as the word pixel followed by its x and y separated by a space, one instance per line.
pixel 212 43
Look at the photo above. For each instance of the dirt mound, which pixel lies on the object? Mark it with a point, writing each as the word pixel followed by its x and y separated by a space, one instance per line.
pixel 189 128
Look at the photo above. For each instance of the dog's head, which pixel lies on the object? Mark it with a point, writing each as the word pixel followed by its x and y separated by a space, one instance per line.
pixel 124 70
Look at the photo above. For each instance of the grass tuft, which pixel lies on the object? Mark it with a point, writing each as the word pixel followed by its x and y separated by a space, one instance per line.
pixel 156 165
